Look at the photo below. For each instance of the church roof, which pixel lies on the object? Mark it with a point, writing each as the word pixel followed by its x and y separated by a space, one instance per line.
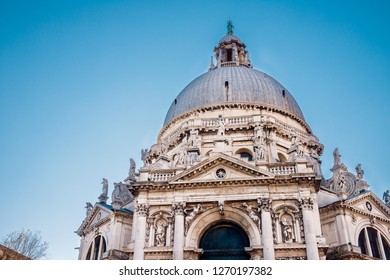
pixel 233 80
pixel 245 85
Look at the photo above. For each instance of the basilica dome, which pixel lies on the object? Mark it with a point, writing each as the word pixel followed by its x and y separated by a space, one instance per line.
pixel 233 81
pixel 246 85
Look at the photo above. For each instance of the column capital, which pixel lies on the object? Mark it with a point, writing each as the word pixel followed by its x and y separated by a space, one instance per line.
pixel 306 203
pixel 179 208
pixel 142 209
pixel 264 204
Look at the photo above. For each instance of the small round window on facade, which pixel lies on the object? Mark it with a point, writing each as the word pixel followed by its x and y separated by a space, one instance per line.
pixel 220 173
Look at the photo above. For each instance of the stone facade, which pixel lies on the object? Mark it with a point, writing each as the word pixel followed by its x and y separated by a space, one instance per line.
pixel 235 157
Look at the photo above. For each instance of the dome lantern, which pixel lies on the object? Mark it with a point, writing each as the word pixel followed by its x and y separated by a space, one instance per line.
pixel 230 51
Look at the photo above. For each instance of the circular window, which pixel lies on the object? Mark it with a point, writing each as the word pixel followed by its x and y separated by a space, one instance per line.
pixel 369 206
pixel 220 173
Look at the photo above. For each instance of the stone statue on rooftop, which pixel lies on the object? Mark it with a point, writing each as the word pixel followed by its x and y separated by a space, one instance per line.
pixel 103 197
pixel 89 207
pixel 336 157
pixel 386 197
pixel 144 156
pixel 359 172
pixel 131 176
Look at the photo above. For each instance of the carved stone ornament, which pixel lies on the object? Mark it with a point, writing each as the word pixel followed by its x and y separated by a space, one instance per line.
pixel 221 207
pixel 264 204
pixel 251 213
pixel 196 210
pixel 120 195
pixel 179 208
pixel 306 203
pixel 142 209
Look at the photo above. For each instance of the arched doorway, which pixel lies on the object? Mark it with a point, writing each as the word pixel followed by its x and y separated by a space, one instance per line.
pixel 224 241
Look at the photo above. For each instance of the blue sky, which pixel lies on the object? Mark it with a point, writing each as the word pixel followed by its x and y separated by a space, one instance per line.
pixel 85 85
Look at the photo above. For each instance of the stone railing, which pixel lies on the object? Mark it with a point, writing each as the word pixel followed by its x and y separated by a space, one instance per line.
pixel 228 64
pixel 283 169
pixel 240 120
pixel 209 122
pixel 161 176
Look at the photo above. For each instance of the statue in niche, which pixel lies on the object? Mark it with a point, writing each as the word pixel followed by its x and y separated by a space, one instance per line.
pixel 336 157
pixel 359 172
pixel 287 230
pixel 221 126
pixel 160 233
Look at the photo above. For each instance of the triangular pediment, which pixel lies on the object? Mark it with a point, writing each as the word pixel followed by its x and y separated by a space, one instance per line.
pixel 370 204
pixel 98 215
pixel 221 167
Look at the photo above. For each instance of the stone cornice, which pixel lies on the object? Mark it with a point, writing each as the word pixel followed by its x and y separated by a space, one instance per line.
pixel 341 206
pixel 372 196
pixel 287 179
pixel 87 227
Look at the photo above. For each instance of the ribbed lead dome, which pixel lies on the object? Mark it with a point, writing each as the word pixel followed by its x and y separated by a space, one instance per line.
pixel 233 80
pixel 245 85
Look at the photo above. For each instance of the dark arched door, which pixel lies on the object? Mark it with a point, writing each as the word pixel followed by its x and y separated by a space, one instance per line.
pixel 224 241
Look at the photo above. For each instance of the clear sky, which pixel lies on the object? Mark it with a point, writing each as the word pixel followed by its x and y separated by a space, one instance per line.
pixel 85 85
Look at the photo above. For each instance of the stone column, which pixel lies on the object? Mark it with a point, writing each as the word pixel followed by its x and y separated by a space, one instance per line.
pixel 309 229
pixel 342 229
pixel 178 241
pixel 140 231
pixel 267 238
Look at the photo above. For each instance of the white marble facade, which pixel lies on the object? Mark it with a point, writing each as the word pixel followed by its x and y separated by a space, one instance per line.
pixel 235 157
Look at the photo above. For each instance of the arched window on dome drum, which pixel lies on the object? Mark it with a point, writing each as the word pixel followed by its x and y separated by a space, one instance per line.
pixel 373 244
pixel 97 248
pixel 246 155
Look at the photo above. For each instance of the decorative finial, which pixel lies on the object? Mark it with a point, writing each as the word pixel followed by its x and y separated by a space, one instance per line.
pixel 230 27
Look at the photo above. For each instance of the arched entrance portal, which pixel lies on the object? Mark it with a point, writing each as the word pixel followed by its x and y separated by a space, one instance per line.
pixel 224 241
